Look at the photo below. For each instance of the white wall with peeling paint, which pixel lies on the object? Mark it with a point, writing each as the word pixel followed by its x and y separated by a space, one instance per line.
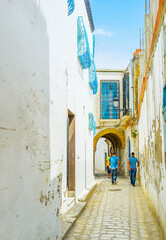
pixel 151 136
pixel 79 100
pixel 40 80
pixel 32 134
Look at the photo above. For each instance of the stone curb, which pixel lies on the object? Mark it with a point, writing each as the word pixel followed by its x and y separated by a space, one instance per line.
pixel 68 220
pixel 87 195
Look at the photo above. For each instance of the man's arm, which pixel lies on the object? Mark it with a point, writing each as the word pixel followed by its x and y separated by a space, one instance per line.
pixel 137 163
pixel 106 161
pixel 129 166
pixel 118 163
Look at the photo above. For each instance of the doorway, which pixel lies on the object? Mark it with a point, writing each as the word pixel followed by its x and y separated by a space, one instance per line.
pixel 71 154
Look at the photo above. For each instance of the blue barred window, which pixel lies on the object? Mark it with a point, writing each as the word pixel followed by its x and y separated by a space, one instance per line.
pixel 92 123
pixel 71 6
pixel 109 90
pixel 83 45
pixel 93 76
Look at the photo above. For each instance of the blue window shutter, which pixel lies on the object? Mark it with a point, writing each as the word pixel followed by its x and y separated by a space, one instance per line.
pixel 164 96
pixel 93 76
pixel 92 124
pixel 164 102
pixel 83 45
pixel 71 6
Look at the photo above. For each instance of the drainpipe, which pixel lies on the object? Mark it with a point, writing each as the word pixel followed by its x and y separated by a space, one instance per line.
pixel 132 88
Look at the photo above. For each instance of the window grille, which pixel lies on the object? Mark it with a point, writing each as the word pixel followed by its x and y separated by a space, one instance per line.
pixel 71 6
pixel 93 76
pixel 92 123
pixel 164 102
pixel 83 45
pixel 109 90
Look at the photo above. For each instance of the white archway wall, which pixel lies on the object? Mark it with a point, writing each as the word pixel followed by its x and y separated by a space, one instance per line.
pixel 101 149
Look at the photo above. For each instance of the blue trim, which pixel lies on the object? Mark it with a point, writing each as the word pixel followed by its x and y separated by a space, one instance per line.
pixel 92 123
pixel 129 150
pixel 71 6
pixel 164 113
pixel 83 44
pixel 93 76
pixel 93 46
pixel 164 96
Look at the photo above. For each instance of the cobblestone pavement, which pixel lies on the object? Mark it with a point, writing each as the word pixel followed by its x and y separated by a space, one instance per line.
pixel 116 212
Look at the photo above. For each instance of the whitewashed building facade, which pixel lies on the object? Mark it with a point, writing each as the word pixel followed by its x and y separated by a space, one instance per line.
pixel 46 121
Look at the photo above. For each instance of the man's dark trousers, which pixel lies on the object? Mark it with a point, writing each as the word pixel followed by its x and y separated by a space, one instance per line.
pixel 113 175
pixel 133 173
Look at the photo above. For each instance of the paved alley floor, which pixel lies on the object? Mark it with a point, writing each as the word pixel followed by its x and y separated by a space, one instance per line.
pixel 116 212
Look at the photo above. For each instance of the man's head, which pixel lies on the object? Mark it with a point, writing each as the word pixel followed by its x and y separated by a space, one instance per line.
pixel 132 154
pixel 114 153
pixel 110 154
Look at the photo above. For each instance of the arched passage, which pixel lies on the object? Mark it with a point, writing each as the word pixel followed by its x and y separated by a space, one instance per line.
pixel 117 138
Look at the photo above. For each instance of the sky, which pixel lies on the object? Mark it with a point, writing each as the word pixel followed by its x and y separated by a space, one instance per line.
pixel 117 26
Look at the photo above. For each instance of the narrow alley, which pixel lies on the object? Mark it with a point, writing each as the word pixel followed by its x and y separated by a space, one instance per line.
pixel 116 212
pixel 82 96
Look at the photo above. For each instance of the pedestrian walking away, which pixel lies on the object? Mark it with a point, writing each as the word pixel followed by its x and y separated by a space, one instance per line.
pixel 108 165
pixel 114 165
pixel 133 161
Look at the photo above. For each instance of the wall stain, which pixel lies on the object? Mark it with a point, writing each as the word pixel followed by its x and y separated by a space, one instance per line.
pixel 8 129
pixel 152 157
pixel 44 199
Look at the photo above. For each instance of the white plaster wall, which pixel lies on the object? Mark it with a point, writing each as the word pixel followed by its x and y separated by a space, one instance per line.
pixel 79 101
pixel 33 117
pixel 40 80
pixel 101 149
pixel 151 137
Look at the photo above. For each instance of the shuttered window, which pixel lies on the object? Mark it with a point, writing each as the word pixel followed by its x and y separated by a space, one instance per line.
pixel 83 45
pixel 71 6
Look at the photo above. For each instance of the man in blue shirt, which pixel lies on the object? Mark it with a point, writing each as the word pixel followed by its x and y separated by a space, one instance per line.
pixel 114 164
pixel 133 168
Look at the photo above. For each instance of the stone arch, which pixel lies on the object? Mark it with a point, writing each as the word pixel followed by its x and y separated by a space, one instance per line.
pixel 117 137
pixel 114 132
